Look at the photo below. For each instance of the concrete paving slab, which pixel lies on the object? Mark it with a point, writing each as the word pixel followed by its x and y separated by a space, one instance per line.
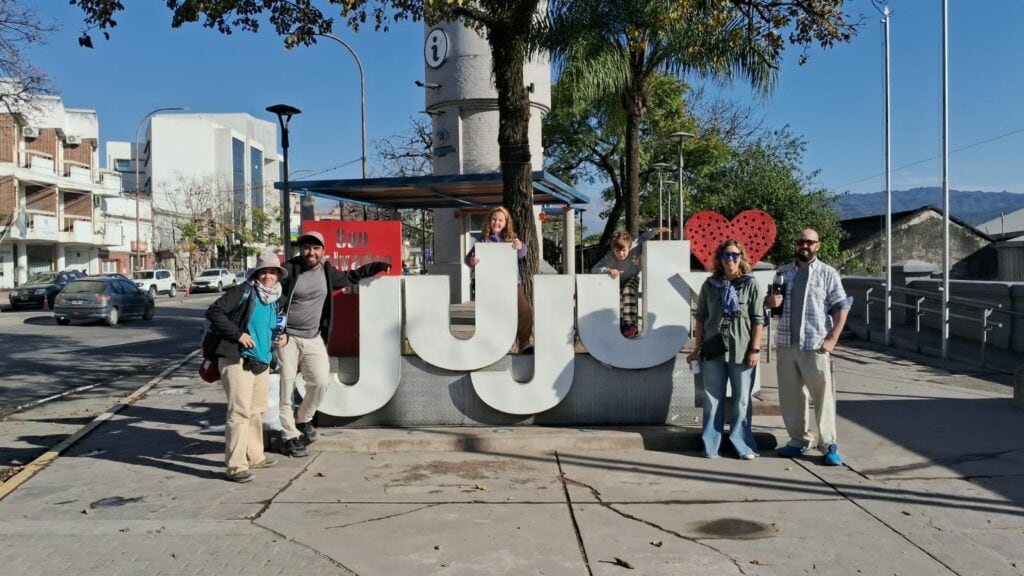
pixel 664 477
pixel 813 537
pixel 479 439
pixel 442 538
pixel 432 477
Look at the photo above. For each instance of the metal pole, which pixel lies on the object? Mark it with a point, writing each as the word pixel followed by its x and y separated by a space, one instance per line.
pixel 681 137
pixel 945 179
pixel 362 110
pixel 138 190
pixel 284 114
pixel 888 187
pixel 661 216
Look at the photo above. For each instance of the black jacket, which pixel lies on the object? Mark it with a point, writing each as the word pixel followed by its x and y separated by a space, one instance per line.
pixel 336 280
pixel 228 320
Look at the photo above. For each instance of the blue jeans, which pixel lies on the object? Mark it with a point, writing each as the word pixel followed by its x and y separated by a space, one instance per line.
pixel 716 374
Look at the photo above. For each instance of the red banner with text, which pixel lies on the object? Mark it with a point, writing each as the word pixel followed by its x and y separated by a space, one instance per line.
pixel 349 245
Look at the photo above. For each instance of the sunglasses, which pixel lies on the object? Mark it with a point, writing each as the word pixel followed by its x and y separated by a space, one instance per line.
pixel 803 242
pixel 730 256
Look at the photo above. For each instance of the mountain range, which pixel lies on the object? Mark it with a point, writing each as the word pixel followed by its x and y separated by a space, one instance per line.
pixel 974 207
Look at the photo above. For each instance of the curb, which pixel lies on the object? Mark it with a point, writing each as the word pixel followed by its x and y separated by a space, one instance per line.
pixel 51 455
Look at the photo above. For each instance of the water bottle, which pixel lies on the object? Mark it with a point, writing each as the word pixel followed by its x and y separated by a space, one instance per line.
pixel 279 324
pixel 778 288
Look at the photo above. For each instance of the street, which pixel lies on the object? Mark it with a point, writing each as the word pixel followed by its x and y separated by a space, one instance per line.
pixel 41 359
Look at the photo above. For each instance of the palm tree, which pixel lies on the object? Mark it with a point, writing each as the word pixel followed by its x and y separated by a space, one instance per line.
pixel 613 50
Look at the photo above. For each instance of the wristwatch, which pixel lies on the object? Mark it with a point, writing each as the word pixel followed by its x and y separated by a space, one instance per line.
pixel 755 350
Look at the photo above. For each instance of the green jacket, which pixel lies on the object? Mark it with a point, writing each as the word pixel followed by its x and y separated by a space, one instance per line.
pixel 749 314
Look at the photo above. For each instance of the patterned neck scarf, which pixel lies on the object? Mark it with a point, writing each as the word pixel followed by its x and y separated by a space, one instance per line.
pixel 729 290
pixel 268 295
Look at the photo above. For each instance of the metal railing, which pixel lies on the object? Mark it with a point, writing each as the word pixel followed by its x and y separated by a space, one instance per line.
pixel 984 309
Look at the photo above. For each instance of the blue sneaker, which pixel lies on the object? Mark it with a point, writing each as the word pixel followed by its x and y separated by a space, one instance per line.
pixel 789 451
pixel 832 457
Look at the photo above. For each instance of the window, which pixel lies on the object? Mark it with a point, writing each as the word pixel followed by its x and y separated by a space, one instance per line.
pixel 238 180
pixel 256 177
pixel 123 165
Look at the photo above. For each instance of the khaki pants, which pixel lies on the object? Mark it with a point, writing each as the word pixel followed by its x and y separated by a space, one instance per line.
pixel 310 356
pixel 804 373
pixel 247 400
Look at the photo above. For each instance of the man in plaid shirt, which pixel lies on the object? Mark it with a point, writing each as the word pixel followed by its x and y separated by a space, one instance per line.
pixel 813 314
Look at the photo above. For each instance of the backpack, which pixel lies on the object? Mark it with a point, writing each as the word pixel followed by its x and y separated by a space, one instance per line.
pixel 210 340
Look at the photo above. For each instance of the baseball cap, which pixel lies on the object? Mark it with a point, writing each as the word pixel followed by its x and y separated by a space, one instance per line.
pixel 311 238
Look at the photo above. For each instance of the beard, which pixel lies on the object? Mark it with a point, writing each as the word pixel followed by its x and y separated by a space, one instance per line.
pixel 804 255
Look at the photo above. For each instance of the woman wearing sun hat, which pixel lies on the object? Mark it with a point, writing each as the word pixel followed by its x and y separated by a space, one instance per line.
pixel 244 318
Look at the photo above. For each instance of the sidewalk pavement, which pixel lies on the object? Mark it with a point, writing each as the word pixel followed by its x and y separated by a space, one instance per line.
pixel 933 485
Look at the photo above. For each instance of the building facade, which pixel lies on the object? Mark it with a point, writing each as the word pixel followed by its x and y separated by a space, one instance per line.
pixel 54 194
pixel 203 169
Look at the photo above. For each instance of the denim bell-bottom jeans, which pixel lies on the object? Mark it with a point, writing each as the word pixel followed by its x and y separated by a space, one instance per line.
pixel 717 373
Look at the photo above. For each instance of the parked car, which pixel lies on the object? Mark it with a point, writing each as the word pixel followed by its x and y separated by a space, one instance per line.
pixel 242 277
pixel 214 279
pixel 156 282
pixel 44 285
pixel 103 298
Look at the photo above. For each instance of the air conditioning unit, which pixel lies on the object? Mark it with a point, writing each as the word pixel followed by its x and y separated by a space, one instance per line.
pixel 30 132
pixel 73 140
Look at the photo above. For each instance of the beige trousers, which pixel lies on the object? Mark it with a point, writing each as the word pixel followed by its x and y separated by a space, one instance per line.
pixel 247 400
pixel 803 374
pixel 308 355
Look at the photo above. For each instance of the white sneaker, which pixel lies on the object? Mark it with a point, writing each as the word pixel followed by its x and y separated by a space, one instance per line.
pixel 748 456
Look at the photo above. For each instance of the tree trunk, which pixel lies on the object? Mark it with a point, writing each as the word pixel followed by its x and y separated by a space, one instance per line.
pixel 614 215
pixel 632 192
pixel 509 55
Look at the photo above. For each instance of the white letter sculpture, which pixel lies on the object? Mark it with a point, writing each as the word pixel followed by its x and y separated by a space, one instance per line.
pixel 554 353
pixel 380 353
pixel 666 310
pixel 428 323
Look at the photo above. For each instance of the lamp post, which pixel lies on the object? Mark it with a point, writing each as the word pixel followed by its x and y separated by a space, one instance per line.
pixel 284 114
pixel 362 91
pixel 138 188
pixel 660 167
pixel 681 137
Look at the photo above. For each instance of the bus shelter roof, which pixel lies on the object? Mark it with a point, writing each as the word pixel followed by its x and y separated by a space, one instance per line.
pixel 428 192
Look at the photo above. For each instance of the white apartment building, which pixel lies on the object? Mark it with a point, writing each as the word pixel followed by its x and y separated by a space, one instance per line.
pixel 191 163
pixel 53 193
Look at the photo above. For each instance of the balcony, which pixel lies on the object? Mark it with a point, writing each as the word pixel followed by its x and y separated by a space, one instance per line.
pixel 78 172
pixel 38 162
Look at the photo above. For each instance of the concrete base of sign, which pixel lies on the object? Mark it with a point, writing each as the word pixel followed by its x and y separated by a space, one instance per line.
pixel 600 396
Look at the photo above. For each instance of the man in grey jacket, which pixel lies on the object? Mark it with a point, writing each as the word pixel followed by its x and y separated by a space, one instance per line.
pixel 308 307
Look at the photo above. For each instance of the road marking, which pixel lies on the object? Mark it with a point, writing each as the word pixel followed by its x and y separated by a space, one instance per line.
pixel 51 455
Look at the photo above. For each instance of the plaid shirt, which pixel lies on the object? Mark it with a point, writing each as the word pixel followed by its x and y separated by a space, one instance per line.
pixel 824 294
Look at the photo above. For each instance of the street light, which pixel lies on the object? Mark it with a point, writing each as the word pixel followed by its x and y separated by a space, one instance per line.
pixel 138 189
pixel 660 167
pixel 362 106
pixel 284 114
pixel 681 137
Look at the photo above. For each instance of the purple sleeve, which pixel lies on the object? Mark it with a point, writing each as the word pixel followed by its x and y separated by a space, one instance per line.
pixel 522 249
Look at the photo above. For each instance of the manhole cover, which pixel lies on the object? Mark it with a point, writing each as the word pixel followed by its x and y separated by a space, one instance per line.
pixel 735 528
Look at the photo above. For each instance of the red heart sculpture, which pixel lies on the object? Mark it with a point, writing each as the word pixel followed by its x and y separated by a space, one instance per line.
pixel 755 229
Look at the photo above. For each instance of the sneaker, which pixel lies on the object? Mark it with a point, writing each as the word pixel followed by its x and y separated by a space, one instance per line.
pixel 309 432
pixel 242 476
pixel 748 456
pixel 630 331
pixel 267 462
pixel 832 457
pixel 789 451
pixel 294 448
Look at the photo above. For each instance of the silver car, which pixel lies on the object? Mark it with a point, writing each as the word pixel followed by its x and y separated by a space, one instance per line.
pixel 215 279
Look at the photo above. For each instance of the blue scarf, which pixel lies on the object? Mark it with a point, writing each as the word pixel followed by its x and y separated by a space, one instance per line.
pixel 729 291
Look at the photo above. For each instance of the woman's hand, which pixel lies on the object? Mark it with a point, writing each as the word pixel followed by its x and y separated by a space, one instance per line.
pixel 246 341
pixel 753 358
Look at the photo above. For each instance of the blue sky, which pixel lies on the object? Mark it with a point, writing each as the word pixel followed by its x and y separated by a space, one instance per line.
pixel 835 101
